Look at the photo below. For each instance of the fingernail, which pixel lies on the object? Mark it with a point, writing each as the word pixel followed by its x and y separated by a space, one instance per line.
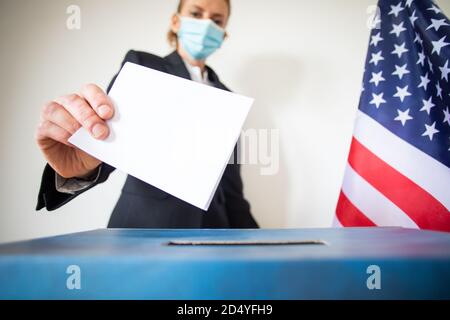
pixel 99 131
pixel 104 111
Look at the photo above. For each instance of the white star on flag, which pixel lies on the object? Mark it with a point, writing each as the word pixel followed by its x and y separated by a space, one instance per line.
pixel 438 45
pixel 424 81
pixel 445 70
pixel 430 64
pixel 376 39
pixel 395 10
pixel 397 29
pixel 413 18
pixel 377 78
pixel 403 116
pixel 418 39
pixel 428 105
pixel 376 57
pixel 438 90
pixel 421 60
pixel 435 9
pixel 400 71
pixel 430 131
pixel 377 99
pixel 447 116
pixel 402 93
pixel 436 24
pixel 400 50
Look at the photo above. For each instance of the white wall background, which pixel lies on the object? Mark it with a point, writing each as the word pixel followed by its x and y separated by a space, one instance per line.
pixel 302 60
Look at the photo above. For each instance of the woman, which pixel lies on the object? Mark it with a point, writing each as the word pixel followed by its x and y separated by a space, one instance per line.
pixel 197 31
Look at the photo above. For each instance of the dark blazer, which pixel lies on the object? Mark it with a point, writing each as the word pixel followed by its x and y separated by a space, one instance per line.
pixel 144 206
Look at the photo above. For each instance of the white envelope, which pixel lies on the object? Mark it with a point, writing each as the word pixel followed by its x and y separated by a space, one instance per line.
pixel 175 134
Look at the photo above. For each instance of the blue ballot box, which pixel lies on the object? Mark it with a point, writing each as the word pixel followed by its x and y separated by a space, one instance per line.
pixel 355 263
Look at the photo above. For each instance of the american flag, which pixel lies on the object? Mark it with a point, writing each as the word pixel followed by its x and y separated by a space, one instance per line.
pixel 398 169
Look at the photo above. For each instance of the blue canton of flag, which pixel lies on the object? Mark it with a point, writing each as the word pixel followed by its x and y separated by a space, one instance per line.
pixel 406 83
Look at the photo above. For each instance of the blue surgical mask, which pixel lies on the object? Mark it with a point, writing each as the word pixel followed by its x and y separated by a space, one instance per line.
pixel 200 37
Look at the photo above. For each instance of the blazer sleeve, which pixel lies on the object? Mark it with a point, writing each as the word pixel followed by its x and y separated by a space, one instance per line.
pixel 238 208
pixel 48 196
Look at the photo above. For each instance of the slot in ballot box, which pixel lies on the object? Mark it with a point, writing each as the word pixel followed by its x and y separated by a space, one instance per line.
pixel 353 263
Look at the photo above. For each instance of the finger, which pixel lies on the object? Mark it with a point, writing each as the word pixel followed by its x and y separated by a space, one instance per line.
pixel 50 130
pixel 98 100
pixel 56 114
pixel 85 115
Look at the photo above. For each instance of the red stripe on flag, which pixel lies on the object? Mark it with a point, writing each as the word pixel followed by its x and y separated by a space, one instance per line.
pixel 421 206
pixel 349 215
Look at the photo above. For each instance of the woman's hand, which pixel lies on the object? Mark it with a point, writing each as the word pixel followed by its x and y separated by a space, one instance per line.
pixel 61 118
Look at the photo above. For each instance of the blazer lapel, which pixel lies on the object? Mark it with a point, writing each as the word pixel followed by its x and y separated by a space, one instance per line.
pixel 176 66
pixel 214 79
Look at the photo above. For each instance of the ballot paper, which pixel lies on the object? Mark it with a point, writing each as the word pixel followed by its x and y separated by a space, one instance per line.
pixel 172 133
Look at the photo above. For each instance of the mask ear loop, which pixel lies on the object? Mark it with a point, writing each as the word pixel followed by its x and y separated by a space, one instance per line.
pixel 179 21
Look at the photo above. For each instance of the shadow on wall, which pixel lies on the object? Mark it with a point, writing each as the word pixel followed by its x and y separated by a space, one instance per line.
pixel 272 79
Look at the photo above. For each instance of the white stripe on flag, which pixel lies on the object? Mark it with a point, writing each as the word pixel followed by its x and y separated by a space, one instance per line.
pixel 424 170
pixel 373 204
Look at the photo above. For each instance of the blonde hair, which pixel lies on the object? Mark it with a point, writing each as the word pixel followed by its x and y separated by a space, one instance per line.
pixel 172 36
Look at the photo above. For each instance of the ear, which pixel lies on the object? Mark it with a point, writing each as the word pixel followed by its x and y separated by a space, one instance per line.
pixel 175 23
pixel 225 37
